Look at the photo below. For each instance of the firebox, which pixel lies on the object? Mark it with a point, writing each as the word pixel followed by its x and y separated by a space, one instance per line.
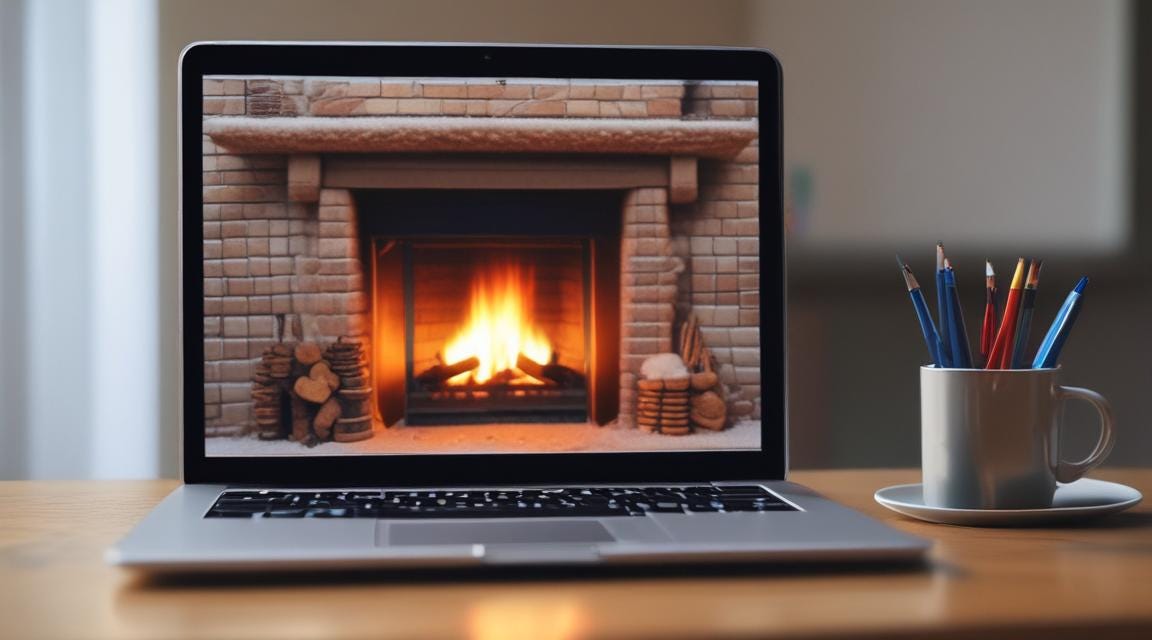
pixel 493 307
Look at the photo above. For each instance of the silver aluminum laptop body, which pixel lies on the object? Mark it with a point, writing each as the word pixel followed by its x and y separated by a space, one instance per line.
pixel 176 535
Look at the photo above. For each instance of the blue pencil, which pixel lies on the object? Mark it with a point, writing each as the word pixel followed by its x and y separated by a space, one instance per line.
pixel 931 338
pixel 1049 351
pixel 957 331
pixel 942 309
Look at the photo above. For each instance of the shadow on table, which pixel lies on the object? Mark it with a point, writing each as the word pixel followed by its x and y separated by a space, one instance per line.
pixel 529 574
pixel 1126 520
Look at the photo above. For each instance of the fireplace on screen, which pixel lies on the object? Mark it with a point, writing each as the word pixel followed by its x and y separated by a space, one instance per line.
pixel 494 307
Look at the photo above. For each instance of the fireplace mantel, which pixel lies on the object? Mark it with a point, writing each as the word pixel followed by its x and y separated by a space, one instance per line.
pixel 717 139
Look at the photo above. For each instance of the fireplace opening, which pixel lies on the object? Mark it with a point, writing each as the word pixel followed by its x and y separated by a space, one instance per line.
pixel 494 307
pixel 498 331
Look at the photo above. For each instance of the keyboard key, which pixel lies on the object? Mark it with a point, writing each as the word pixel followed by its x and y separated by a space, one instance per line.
pixel 744 490
pixel 285 513
pixel 217 513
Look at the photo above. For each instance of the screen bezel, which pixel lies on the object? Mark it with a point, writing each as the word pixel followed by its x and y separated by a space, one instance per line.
pixel 459 60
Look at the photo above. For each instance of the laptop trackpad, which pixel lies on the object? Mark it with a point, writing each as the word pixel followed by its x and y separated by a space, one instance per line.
pixel 510 532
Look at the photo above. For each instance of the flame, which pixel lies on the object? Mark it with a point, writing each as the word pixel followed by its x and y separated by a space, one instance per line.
pixel 499 326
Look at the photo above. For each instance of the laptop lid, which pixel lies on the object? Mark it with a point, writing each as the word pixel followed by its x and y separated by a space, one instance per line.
pixel 447 264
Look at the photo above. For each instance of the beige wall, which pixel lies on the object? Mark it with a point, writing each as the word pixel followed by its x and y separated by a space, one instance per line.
pixel 982 122
pixel 597 21
pixel 840 417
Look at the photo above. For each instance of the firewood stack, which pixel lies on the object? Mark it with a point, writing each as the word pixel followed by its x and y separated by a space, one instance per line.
pixel 662 395
pixel 268 385
pixel 312 401
pixel 662 405
pixel 310 396
pixel 708 408
pixel 355 421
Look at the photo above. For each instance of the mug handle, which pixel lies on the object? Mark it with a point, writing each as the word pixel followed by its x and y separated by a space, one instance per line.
pixel 1072 471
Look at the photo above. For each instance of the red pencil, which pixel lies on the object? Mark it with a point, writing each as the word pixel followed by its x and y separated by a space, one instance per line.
pixel 988 330
pixel 1001 356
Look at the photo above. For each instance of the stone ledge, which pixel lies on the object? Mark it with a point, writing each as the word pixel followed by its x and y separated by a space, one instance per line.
pixel 700 138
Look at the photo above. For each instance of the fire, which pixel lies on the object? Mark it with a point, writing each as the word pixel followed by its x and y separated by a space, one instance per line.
pixel 499 326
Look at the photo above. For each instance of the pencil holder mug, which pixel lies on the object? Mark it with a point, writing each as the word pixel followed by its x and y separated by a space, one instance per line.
pixel 990 438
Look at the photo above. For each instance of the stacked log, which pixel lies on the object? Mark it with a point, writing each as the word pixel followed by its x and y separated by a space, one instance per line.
pixel 662 396
pixel 310 395
pixel 708 408
pixel 662 406
pixel 346 357
pixel 268 386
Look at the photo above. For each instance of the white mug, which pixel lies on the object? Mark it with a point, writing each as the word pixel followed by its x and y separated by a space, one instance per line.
pixel 990 438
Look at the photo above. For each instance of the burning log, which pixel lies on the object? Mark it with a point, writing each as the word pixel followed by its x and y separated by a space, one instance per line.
pixel 435 377
pixel 531 367
pixel 558 374
pixel 501 378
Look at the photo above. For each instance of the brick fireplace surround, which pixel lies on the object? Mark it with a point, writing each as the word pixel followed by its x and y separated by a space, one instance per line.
pixel 283 157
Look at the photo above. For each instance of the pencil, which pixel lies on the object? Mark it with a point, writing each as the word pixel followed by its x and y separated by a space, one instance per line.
pixel 999 358
pixel 931 338
pixel 942 308
pixel 1027 302
pixel 957 331
pixel 988 328
pixel 1049 351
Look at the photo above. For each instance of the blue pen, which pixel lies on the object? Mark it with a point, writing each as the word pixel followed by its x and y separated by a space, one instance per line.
pixel 931 338
pixel 1057 335
pixel 942 309
pixel 957 330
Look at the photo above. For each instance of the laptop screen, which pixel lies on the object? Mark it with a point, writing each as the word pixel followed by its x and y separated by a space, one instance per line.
pixel 407 265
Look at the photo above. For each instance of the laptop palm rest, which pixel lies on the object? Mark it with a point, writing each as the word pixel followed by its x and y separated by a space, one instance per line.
pixel 494 533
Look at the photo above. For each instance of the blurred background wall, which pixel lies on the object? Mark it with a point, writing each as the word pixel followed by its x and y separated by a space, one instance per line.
pixel 1001 128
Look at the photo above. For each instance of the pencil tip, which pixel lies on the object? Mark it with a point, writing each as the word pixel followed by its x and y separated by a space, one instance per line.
pixel 909 279
pixel 939 256
pixel 988 268
pixel 1034 273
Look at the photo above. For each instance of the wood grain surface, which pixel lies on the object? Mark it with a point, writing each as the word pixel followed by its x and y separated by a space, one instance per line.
pixel 1088 581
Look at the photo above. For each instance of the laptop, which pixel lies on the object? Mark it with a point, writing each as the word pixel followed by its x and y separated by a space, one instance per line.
pixel 450 305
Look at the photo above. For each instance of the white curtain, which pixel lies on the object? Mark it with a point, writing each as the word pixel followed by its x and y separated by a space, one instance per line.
pixel 79 357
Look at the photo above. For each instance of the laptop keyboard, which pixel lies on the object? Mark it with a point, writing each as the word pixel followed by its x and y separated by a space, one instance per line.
pixel 495 503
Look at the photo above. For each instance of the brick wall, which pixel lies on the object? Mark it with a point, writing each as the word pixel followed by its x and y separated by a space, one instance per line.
pixel 718 236
pixel 266 255
pixel 395 96
pixel 648 272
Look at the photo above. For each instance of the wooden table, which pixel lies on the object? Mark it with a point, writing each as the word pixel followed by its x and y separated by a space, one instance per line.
pixel 1092 581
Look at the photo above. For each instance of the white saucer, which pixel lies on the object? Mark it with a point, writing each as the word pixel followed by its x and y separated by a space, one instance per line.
pixel 1080 500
